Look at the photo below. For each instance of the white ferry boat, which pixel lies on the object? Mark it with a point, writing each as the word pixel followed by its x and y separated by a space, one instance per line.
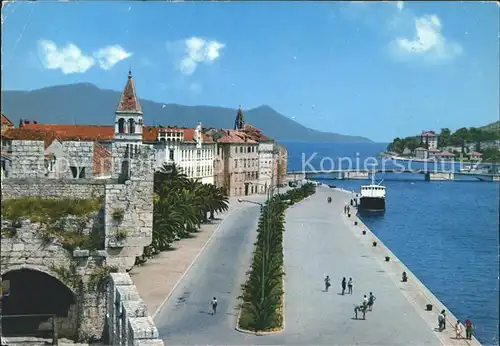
pixel 372 197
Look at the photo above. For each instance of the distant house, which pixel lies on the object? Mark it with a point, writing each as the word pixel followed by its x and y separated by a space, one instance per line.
pixel 406 152
pixel 433 153
pixel 474 156
pixel 430 138
pixel 421 153
pixel 446 155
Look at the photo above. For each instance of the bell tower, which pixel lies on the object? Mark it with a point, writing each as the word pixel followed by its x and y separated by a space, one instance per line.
pixel 129 119
pixel 239 123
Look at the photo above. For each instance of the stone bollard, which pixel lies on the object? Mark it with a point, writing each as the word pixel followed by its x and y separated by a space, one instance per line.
pixel 364 232
pixel 387 258
pixel 355 223
pixel 428 307
pixel 348 215
pixel 375 244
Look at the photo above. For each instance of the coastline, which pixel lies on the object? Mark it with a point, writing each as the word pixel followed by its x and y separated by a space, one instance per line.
pixel 414 290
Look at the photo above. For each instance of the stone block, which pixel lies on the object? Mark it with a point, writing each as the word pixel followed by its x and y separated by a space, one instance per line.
pixel 134 308
pixel 81 253
pixel 149 342
pixel 142 328
pixel 121 279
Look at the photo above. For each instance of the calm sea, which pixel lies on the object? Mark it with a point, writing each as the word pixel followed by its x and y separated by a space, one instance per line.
pixel 446 232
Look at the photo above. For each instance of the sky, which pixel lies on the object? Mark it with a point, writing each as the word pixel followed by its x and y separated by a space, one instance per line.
pixel 380 70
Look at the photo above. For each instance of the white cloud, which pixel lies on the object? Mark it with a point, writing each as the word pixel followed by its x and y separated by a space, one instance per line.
pixel 69 59
pixel 109 56
pixel 428 41
pixel 400 5
pixel 199 50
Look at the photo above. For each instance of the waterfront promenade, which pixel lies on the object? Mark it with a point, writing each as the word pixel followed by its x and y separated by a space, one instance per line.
pixel 319 239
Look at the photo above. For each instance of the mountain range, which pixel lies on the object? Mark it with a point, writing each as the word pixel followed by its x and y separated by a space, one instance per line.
pixel 85 103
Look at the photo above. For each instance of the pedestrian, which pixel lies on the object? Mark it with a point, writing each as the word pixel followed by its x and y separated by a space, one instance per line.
pixel 444 321
pixel 214 306
pixel 365 301
pixel 349 286
pixel 343 285
pixel 371 300
pixel 468 329
pixel 458 330
pixel 440 321
pixel 327 283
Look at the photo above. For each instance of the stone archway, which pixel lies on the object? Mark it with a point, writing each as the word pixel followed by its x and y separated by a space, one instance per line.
pixel 34 296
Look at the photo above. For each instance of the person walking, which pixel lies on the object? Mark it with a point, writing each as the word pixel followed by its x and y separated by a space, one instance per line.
pixel 214 306
pixel 327 283
pixel 349 286
pixel 458 330
pixel 343 284
pixel 371 300
pixel 441 321
pixel 468 329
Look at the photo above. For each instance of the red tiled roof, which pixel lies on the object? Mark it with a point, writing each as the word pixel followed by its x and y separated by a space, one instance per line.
pixel 475 153
pixel 189 136
pixel 76 132
pixel 428 134
pixel 129 101
pixel 232 136
pixel 446 153
pixel 255 133
pixel 434 150
pixel 101 159
pixel 31 135
pixel 6 121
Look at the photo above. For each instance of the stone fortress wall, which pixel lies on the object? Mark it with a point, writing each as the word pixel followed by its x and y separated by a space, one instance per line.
pixel 129 189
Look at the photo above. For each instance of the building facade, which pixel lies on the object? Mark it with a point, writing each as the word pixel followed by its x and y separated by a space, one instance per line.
pixel 429 139
pixel 237 163
pixel 190 149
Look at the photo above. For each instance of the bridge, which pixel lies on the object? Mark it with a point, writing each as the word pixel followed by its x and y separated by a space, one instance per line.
pixel 429 174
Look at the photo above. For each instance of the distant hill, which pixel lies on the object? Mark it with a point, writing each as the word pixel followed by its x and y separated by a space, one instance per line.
pixel 493 127
pixel 87 104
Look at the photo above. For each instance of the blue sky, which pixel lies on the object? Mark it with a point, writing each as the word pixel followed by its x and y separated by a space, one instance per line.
pixel 379 70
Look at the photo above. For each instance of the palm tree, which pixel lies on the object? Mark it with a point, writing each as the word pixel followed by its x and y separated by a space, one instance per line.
pixel 180 206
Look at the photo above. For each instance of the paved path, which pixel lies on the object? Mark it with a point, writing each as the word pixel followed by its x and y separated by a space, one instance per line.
pixel 218 271
pixel 318 240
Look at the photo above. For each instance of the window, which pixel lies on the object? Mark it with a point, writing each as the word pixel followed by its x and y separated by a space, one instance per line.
pixel 131 125
pixel 121 125
pixel 171 155
pixel 235 163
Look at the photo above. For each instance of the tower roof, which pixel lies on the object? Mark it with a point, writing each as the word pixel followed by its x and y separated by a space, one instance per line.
pixel 129 101
pixel 239 122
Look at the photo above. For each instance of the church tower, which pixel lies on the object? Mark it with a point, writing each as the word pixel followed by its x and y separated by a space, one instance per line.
pixel 239 123
pixel 129 118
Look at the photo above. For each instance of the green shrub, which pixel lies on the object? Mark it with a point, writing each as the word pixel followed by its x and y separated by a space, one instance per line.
pixel 262 293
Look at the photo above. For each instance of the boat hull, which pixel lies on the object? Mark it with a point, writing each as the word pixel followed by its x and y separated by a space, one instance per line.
pixel 369 204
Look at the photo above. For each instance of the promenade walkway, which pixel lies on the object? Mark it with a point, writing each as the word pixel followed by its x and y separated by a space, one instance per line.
pixel 319 239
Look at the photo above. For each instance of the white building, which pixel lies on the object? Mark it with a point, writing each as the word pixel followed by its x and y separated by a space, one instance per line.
pixel 267 166
pixel 189 149
pixel 430 138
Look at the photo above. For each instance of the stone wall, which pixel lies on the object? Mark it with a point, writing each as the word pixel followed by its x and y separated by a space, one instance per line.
pixel 128 320
pixel 134 199
pixel 79 155
pixel 27 159
pixel 23 247
pixel 50 188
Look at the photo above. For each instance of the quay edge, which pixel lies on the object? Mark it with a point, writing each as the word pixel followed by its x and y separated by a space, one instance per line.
pixel 414 290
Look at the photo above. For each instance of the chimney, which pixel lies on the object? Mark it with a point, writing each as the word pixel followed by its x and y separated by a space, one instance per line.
pixel 26 121
pixel 35 121
pixel 21 123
